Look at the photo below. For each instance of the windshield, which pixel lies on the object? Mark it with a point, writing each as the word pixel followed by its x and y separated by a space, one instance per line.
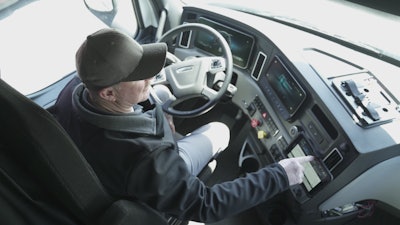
pixel 371 24
pixel 39 40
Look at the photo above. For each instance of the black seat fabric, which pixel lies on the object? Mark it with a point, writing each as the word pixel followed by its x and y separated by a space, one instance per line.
pixel 44 179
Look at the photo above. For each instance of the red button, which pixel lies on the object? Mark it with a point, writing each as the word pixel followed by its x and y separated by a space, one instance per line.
pixel 255 123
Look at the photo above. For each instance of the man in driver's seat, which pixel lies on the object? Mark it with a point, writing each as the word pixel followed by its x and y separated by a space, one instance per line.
pixel 133 151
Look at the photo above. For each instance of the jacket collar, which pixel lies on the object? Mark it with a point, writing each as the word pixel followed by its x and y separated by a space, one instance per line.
pixel 138 122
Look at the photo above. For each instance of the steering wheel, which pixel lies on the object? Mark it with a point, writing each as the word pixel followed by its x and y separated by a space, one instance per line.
pixel 192 77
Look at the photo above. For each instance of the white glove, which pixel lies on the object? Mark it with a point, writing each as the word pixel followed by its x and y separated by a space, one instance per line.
pixel 294 168
pixel 161 94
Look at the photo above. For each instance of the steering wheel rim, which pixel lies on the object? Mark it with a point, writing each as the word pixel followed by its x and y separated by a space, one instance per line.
pixel 212 98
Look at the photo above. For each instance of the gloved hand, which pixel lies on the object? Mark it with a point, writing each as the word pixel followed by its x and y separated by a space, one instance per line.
pixel 294 168
pixel 161 94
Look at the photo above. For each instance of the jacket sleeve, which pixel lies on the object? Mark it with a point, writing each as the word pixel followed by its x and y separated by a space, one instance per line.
pixel 163 181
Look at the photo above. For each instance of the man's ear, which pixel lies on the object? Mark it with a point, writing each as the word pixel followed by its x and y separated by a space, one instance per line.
pixel 108 94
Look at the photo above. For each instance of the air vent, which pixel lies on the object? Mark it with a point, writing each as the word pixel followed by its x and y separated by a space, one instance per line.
pixel 259 65
pixel 333 159
pixel 185 39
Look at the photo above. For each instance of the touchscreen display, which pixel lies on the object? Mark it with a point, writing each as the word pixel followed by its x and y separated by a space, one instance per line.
pixel 240 44
pixel 311 177
pixel 290 93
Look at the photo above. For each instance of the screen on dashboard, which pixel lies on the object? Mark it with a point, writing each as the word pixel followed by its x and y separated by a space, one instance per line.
pixel 315 172
pixel 240 44
pixel 287 89
pixel 311 178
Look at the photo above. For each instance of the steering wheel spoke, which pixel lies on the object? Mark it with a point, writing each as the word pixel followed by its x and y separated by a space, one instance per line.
pixel 209 93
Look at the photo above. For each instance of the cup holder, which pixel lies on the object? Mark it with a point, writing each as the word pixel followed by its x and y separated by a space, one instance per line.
pixel 248 160
pixel 249 164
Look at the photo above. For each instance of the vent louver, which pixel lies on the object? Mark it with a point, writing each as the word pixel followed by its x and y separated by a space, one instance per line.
pixel 333 159
pixel 259 65
pixel 184 41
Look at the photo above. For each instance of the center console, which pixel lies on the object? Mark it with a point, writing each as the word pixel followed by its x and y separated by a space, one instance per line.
pixel 288 122
pixel 291 120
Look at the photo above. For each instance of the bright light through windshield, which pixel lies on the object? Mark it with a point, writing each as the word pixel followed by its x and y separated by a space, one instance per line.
pixel 376 29
pixel 39 41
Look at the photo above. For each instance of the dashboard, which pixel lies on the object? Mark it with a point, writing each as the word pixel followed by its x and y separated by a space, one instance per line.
pixel 306 95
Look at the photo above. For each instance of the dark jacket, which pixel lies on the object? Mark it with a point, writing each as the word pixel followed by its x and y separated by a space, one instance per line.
pixel 136 157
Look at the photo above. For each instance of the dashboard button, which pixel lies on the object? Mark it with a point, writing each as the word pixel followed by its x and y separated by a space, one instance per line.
pixel 255 122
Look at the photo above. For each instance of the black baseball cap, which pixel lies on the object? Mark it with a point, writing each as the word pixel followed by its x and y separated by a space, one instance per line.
pixel 109 56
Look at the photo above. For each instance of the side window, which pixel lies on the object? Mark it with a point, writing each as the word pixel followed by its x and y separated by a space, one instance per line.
pixel 115 13
pixel 141 19
pixel 148 13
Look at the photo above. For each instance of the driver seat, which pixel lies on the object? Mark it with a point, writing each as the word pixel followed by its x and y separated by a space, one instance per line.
pixel 44 179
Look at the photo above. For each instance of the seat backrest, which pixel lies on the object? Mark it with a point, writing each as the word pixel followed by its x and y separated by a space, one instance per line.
pixel 44 179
